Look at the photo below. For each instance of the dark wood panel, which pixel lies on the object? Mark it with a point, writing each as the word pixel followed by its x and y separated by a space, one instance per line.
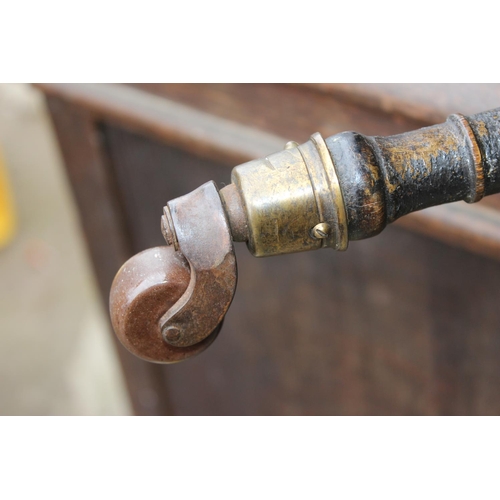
pixel 388 328
pixel 399 324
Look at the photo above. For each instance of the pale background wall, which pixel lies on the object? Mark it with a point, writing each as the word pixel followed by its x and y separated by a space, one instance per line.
pixel 56 355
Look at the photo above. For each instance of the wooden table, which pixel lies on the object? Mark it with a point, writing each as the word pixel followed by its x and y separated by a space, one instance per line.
pixel 405 323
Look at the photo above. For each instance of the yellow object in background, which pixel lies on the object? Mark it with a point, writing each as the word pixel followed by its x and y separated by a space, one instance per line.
pixel 7 213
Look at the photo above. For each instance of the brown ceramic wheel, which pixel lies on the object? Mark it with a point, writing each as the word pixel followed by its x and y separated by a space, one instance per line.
pixel 145 287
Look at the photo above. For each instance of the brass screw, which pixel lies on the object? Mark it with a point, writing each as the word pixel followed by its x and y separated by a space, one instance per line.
pixel 171 334
pixel 321 231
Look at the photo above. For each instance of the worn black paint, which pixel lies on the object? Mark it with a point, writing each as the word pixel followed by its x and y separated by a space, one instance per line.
pixel 384 178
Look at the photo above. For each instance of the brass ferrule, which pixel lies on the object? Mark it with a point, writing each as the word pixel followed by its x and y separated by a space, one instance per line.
pixel 287 202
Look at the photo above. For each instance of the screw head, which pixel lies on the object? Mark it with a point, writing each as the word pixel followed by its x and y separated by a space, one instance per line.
pixel 172 334
pixel 321 231
pixel 291 145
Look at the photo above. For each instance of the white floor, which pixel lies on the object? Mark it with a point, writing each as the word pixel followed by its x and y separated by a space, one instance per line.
pixel 56 355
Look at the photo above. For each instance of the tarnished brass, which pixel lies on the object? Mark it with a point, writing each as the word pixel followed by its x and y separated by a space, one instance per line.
pixel 286 195
pixel 327 192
